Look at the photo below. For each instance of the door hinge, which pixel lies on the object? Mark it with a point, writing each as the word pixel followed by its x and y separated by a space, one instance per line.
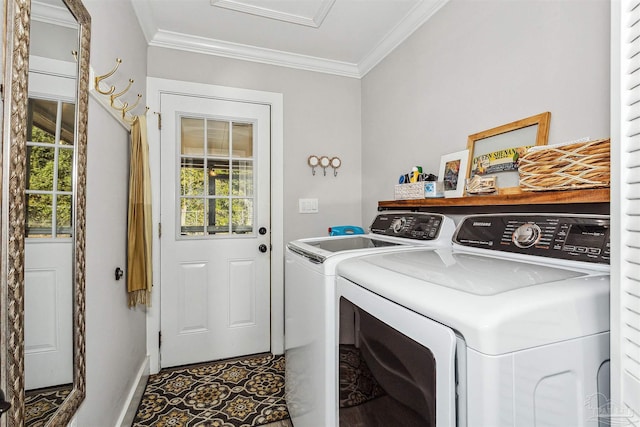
pixel 159 230
pixel 2 91
pixel 159 120
pixel 159 339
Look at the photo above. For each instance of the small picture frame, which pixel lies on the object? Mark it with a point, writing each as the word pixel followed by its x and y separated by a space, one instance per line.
pixel 453 171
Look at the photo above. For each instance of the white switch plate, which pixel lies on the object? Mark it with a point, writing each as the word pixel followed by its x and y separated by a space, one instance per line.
pixel 307 206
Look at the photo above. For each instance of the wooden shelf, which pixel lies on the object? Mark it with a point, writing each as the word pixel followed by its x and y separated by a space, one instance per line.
pixel 597 199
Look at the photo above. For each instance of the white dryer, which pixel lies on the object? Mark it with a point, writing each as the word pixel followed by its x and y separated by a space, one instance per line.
pixel 509 327
pixel 311 315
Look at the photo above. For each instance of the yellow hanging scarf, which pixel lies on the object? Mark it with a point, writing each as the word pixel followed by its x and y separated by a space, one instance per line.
pixel 139 260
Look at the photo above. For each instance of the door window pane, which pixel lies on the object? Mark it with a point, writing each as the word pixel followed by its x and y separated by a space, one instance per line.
pixel 65 169
pixel 43 118
pixel 41 163
pixel 39 215
pixel 242 216
pixel 242 139
pixel 67 130
pixel 63 215
pixel 192 136
pixel 192 217
pixel 217 138
pixel 191 177
pixel 218 216
pixel 242 182
pixel 218 177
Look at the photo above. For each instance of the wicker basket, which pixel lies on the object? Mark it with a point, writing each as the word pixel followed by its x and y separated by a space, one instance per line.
pixel 566 167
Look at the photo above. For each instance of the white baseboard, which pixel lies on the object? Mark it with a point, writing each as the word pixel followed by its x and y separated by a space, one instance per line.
pixel 135 395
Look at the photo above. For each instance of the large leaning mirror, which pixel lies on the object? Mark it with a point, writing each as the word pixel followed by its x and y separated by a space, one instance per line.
pixel 44 176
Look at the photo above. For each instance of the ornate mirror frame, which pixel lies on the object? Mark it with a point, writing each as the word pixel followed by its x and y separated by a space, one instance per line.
pixel 14 134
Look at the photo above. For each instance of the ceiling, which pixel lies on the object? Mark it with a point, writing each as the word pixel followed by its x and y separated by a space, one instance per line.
pixel 343 37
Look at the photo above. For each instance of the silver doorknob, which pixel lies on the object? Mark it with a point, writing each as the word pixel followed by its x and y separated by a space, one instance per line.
pixel 262 248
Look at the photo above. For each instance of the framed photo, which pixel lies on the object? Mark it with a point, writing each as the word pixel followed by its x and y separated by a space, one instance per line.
pixel 495 152
pixel 453 169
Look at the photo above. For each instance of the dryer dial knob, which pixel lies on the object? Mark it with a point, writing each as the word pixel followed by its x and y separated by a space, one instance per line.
pixel 526 235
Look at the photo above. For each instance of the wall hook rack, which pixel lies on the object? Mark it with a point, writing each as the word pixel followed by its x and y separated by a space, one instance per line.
pixel 324 162
pixel 116 106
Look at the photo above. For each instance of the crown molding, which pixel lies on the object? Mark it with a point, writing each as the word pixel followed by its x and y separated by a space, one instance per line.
pixel 420 14
pixel 144 14
pixel 172 40
pixel 55 15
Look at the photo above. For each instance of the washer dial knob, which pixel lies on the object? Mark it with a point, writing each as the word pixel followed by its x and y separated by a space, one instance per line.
pixel 526 235
pixel 398 224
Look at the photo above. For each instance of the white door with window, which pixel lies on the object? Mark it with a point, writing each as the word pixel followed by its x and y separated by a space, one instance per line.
pixel 215 215
pixel 49 255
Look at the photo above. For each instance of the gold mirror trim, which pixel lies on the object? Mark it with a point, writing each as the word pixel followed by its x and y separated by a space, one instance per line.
pixel 13 199
pixel 14 134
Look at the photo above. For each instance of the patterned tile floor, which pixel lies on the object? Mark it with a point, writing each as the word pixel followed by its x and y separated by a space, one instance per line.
pixel 244 392
pixel 40 405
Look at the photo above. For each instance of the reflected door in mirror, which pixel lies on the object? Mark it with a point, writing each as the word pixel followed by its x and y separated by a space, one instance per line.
pixel 49 244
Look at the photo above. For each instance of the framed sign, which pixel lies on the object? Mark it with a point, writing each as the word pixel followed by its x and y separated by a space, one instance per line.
pixel 496 151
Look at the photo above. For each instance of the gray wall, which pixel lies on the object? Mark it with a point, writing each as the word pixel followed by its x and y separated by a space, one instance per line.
pixel 476 65
pixel 116 335
pixel 321 117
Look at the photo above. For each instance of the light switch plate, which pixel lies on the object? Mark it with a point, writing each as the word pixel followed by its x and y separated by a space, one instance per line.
pixel 307 206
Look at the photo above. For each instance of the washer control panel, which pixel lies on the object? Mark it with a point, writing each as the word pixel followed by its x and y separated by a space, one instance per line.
pixel 572 237
pixel 416 225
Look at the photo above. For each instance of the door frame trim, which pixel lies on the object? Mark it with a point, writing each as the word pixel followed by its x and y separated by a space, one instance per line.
pixel 155 88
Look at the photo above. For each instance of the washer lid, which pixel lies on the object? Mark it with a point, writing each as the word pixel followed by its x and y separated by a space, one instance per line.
pixel 499 306
pixel 319 249
pixel 346 244
pixel 474 274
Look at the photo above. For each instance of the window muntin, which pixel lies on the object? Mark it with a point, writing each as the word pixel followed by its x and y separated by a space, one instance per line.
pixel 50 141
pixel 216 177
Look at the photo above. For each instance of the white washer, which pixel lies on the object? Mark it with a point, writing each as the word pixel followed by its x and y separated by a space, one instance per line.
pixel 311 315
pixel 512 322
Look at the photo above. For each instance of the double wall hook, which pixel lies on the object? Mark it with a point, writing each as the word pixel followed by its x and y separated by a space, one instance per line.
pixel 98 79
pixel 114 96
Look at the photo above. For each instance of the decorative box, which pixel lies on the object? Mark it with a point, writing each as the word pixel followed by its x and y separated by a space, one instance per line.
pixel 419 190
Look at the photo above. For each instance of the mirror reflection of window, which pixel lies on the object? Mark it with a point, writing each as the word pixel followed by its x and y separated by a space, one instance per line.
pixel 50 139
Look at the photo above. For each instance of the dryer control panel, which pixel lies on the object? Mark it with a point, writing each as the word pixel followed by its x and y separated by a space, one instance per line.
pixel 571 237
pixel 412 225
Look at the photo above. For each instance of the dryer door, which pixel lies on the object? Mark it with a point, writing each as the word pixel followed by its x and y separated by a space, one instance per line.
pixel 391 337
